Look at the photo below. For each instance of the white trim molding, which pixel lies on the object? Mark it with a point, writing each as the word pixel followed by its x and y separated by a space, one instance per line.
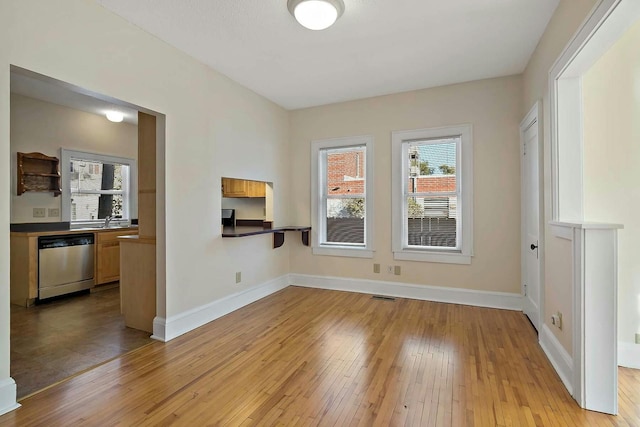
pixel 400 143
pixel 558 356
pixel 176 325
pixel 167 329
pixel 628 355
pixel 594 261
pixel 8 401
pixel 502 300
pixel 319 198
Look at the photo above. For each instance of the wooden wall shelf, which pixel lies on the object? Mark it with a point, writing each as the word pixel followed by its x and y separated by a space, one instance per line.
pixel 38 173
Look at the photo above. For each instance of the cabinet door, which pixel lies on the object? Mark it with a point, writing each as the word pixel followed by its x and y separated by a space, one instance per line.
pixel 256 189
pixel 234 187
pixel 108 255
pixel 108 262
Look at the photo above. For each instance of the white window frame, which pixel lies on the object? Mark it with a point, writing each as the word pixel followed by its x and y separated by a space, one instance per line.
pixel 131 207
pixel 318 206
pixel 464 182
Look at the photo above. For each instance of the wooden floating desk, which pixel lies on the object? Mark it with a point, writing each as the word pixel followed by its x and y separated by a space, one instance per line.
pixel 278 233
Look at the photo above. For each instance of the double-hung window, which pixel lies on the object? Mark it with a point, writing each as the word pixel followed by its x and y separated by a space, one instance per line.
pixel 432 194
pixel 342 199
pixel 97 186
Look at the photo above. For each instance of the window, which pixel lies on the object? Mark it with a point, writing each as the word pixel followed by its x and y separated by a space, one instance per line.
pixel 97 186
pixel 342 202
pixel 433 195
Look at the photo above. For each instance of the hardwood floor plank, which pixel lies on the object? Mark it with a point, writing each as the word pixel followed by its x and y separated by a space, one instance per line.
pixel 315 357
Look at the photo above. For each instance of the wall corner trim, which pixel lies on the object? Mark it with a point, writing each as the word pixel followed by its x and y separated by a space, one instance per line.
pixel 181 323
pixel 502 300
pixel 159 329
pixel 8 395
pixel 560 359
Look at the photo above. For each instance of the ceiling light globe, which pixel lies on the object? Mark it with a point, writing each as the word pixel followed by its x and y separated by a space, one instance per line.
pixel 316 14
pixel 115 116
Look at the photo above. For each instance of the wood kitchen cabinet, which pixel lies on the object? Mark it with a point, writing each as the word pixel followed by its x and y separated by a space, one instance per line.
pixel 242 188
pixel 108 255
pixel 23 269
pixel 24 260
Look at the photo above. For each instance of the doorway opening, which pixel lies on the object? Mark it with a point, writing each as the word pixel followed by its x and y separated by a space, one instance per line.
pixel 595 102
pixel 53 338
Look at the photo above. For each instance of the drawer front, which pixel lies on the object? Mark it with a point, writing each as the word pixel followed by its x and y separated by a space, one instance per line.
pixel 112 236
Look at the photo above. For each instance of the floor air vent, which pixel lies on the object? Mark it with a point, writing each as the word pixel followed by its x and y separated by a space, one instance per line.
pixel 383 297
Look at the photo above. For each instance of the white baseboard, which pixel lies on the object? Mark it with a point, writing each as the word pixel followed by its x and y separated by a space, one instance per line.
pixel 501 300
pixel 166 329
pixel 628 355
pixel 8 395
pixel 174 326
pixel 561 361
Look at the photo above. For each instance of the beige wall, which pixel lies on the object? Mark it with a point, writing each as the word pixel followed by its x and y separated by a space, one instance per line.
pixel 211 124
pixel 557 278
pixel 493 108
pixel 611 94
pixel 45 128
pixel 246 208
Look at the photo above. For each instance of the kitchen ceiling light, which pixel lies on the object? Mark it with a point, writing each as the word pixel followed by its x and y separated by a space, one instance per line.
pixel 316 14
pixel 115 116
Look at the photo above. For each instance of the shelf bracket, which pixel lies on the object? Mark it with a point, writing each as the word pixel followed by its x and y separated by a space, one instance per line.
pixel 278 239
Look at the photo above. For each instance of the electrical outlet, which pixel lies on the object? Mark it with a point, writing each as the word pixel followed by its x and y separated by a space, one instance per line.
pixel 376 268
pixel 39 212
pixel 637 338
pixel 396 270
pixel 238 276
pixel 54 212
pixel 390 269
pixel 556 320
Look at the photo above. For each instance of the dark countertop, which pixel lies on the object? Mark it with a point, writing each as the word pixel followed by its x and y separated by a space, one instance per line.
pixel 72 231
pixel 253 231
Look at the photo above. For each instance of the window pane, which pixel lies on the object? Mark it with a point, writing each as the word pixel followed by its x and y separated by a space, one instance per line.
pixel 91 175
pixel 86 207
pixel 345 171
pixel 432 221
pixel 345 220
pixel 432 166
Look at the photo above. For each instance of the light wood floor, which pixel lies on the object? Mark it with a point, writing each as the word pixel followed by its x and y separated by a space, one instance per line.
pixel 314 357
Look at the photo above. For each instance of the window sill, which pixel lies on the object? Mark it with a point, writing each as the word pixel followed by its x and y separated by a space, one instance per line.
pixel 441 257
pixel 343 251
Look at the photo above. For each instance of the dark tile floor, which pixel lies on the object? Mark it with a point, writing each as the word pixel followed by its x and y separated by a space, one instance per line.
pixel 54 340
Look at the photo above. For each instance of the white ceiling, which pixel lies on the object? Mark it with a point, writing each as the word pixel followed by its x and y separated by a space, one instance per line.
pixel 377 47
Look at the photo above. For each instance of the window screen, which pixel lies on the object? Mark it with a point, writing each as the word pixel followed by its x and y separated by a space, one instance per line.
pixel 431 193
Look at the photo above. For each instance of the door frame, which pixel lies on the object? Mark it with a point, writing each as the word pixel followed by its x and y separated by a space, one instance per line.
pixel 607 22
pixel 533 118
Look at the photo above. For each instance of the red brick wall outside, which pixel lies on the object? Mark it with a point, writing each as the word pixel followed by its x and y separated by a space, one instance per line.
pixel 434 184
pixel 350 164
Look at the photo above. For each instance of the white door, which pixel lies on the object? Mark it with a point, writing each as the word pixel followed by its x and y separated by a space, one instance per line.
pixel 530 220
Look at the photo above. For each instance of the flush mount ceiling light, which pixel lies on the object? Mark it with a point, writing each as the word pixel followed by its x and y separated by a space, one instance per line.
pixel 115 116
pixel 316 14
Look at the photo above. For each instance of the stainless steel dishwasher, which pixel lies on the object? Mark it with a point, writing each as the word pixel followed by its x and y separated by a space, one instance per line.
pixel 65 264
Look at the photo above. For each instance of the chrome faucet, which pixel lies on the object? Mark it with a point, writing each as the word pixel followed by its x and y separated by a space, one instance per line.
pixel 107 221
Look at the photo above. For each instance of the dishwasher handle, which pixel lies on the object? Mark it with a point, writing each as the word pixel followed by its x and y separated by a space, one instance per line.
pixel 49 242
